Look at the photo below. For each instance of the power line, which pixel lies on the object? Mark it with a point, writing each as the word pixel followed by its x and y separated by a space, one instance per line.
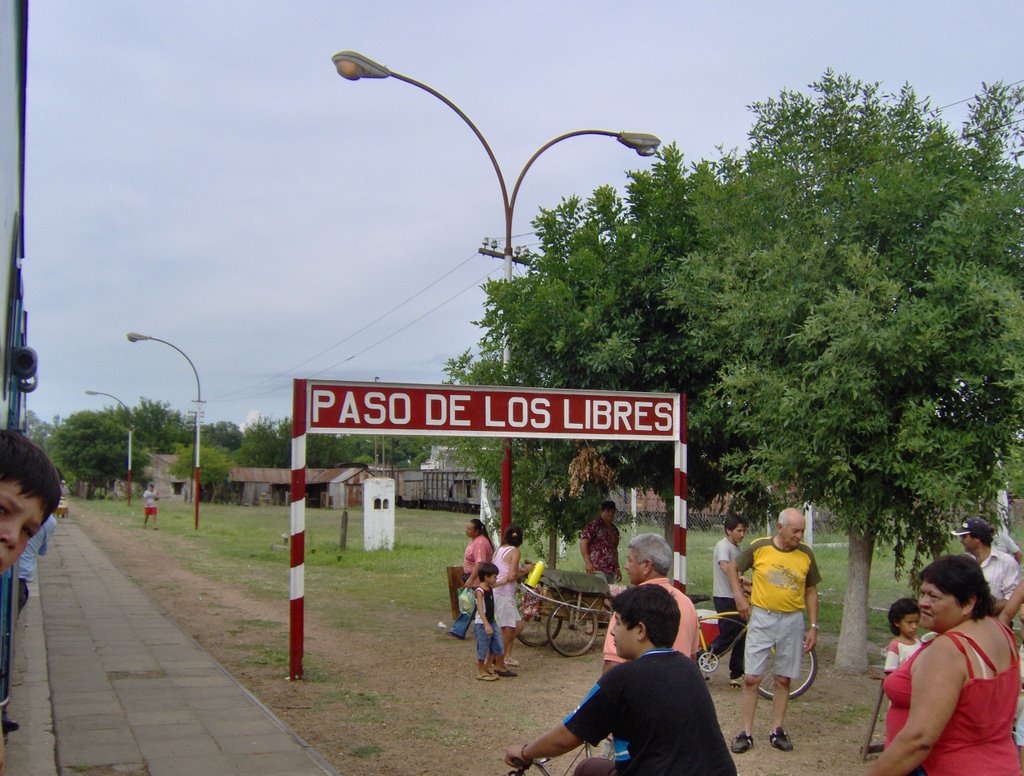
pixel 434 309
pixel 343 340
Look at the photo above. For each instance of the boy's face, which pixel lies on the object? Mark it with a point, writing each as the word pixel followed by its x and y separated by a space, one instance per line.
pixel 490 579
pixel 908 625
pixel 627 642
pixel 737 534
pixel 21 517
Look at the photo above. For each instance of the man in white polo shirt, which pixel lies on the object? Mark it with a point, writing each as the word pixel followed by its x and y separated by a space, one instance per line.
pixel 1001 571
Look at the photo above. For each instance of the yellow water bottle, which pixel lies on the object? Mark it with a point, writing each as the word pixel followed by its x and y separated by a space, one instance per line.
pixel 535 572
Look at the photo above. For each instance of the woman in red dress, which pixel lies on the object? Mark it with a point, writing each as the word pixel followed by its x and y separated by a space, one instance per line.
pixel 953 702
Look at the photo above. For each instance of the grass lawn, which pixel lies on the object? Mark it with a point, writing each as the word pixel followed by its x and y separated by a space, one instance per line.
pixel 248 546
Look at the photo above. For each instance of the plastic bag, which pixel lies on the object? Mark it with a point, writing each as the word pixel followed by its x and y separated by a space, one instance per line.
pixel 467 602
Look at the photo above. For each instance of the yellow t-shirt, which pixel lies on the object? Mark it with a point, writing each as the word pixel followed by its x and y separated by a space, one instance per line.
pixel 780 576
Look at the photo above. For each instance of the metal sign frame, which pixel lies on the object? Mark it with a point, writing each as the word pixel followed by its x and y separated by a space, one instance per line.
pixel 334 407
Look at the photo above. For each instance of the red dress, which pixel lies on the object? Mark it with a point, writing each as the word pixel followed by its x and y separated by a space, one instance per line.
pixel 979 736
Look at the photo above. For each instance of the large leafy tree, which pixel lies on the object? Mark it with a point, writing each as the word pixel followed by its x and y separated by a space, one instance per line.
pixel 91 446
pixel 589 313
pixel 860 292
pixel 841 301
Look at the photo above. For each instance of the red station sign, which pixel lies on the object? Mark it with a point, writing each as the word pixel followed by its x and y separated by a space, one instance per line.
pixel 452 410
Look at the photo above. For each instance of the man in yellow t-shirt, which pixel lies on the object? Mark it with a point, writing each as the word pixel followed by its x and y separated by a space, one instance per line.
pixel 785 583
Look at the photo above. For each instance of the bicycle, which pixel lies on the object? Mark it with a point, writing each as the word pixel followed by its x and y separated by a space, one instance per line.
pixel 708 661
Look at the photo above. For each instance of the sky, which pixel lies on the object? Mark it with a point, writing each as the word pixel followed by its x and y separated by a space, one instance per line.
pixel 197 171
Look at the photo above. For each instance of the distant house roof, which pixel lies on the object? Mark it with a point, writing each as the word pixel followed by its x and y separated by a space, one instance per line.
pixel 284 476
pixel 257 474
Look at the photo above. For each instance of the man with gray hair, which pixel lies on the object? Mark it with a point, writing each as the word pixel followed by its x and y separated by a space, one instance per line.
pixel 785 583
pixel 648 559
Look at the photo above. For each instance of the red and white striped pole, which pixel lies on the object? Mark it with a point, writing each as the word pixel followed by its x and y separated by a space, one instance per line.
pixel 679 502
pixel 297 584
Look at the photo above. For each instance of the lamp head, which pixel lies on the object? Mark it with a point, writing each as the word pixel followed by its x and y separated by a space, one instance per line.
pixel 92 393
pixel 353 66
pixel 641 142
pixel 135 337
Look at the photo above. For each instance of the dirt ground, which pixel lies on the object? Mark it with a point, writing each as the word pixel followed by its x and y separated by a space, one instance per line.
pixel 404 700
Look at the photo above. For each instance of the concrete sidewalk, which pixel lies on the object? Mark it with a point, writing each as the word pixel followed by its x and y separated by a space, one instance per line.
pixel 105 683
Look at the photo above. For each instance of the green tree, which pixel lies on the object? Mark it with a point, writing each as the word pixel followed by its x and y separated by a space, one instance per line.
pixel 223 434
pixel 158 428
pixel 91 446
pixel 589 313
pixel 39 431
pixel 859 291
pixel 543 505
pixel 266 442
pixel 215 465
pixel 841 302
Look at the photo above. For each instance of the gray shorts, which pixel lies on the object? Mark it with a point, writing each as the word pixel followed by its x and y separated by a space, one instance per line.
pixel 783 631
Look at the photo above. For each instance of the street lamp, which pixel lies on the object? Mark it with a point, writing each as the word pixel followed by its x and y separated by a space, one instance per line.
pixel 354 66
pixel 128 410
pixel 134 337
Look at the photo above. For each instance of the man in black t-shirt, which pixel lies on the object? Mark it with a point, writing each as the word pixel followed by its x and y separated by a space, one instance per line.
pixel 656 706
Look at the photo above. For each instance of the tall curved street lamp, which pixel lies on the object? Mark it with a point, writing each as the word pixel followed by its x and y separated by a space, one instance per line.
pixel 135 337
pixel 129 411
pixel 354 66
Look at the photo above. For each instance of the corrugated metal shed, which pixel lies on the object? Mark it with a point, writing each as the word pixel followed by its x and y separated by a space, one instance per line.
pixel 256 474
pixel 284 476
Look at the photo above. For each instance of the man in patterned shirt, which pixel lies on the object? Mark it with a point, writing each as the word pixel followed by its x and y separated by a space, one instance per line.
pixel 599 545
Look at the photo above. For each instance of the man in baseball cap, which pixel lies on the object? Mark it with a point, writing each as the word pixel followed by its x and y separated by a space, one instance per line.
pixel 1001 571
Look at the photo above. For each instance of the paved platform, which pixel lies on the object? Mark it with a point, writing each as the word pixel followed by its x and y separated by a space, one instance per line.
pixel 105 683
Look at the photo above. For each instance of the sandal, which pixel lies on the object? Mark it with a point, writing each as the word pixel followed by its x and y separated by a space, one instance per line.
pixel 513 663
pixel 487 677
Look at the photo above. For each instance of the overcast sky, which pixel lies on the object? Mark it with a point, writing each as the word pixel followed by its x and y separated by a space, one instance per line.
pixel 197 171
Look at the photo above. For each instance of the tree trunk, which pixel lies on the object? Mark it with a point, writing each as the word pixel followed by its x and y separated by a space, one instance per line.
pixel 552 549
pixel 852 653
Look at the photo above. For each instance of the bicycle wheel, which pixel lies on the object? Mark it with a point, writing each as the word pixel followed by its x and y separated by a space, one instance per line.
pixel 799 685
pixel 576 634
pixel 534 632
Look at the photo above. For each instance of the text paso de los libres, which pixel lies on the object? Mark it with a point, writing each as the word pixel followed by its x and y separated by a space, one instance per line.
pixel 374 408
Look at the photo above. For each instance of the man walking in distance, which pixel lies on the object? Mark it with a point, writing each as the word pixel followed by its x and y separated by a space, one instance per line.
pixel 149 498
pixel 599 545
pixel 785 583
pixel 1001 571
pixel 730 629
pixel 648 559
